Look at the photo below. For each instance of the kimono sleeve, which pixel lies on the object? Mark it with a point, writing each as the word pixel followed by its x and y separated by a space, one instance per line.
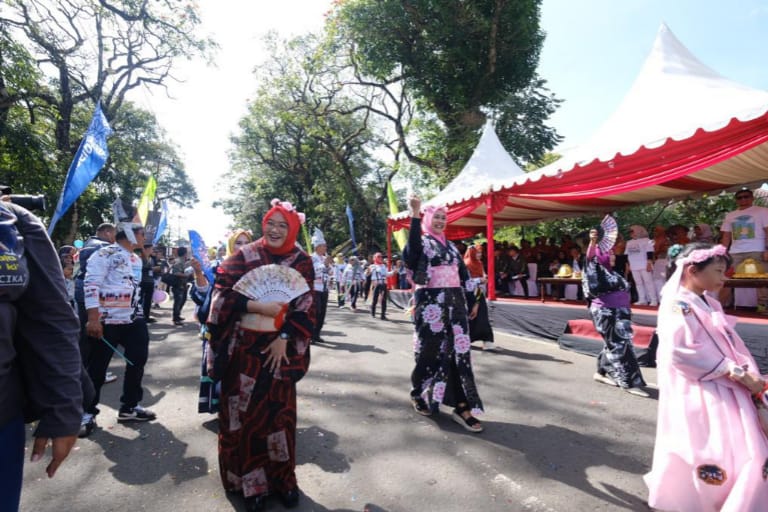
pixel 414 249
pixel 693 352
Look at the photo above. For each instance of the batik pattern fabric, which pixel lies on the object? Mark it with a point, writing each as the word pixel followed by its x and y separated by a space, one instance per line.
pixel 441 343
pixel 617 359
pixel 257 416
pixel 711 453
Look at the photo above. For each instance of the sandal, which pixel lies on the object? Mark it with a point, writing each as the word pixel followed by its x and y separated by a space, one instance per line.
pixel 470 424
pixel 421 407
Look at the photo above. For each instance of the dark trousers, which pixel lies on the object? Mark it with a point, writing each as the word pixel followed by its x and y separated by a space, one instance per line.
pixel 85 340
pixel 179 298
pixel 366 287
pixel 353 292
pixel 12 466
pixel 135 340
pixel 322 307
pixel 147 289
pixel 379 290
pixel 339 294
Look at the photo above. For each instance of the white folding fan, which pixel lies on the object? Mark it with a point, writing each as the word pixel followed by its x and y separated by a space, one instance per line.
pixel 269 283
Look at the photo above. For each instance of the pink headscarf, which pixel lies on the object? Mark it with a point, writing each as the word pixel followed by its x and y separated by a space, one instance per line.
pixel 426 222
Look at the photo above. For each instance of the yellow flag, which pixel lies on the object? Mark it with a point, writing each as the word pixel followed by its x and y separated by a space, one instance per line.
pixel 399 235
pixel 145 203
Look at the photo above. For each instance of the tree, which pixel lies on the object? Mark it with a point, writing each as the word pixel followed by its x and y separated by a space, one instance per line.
pixel 96 50
pixel 302 140
pixel 463 61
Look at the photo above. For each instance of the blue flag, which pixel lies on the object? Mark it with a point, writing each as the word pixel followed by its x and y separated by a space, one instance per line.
pixel 88 161
pixel 163 224
pixel 200 253
pixel 352 229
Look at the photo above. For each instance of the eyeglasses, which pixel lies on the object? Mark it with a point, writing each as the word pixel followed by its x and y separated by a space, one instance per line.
pixel 745 196
pixel 282 226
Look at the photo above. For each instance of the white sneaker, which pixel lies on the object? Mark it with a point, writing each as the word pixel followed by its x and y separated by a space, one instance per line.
pixel 653 304
pixel 110 377
pixel 489 346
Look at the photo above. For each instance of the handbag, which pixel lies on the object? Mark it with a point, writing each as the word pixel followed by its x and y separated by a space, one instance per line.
pixel 597 280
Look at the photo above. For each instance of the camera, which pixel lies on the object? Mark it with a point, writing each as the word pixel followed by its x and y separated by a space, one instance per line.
pixel 30 202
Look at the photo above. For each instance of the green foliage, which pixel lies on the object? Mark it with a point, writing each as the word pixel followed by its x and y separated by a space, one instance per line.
pixel 460 62
pixel 302 141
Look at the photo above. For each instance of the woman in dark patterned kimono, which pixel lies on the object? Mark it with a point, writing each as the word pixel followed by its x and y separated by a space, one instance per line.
pixel 616 363
pixel 443 371
pixel 480 326
pixel 259 370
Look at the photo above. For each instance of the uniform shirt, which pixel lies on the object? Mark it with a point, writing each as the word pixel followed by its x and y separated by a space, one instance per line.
pixel 637 252
pixel 747 229
pixel 112 284
pixel 321 272
pixel 379 273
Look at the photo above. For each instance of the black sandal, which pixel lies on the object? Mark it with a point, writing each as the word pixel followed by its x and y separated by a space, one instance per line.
pixel 470 424
pixel 421 406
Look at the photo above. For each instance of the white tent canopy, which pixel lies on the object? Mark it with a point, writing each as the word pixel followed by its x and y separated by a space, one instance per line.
pixel 488 170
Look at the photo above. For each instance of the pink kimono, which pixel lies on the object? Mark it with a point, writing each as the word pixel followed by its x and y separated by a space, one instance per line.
pixel 711 453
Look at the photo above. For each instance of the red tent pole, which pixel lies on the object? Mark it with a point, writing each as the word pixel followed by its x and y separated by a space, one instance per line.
pixel 389 245
pixel 491 250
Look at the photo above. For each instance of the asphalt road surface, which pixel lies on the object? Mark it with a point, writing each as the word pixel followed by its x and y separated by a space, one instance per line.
pixel 554 440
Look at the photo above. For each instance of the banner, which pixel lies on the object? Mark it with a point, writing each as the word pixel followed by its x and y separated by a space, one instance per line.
pixel 399 235
pixel 145 203
pixel 88 161
pixel 162 224
pixel 352 229
pixel 200 253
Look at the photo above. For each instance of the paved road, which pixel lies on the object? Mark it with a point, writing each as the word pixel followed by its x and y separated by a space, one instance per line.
pixel 554 440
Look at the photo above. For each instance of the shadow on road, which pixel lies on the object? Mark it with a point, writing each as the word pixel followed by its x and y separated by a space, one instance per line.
pixel 349 347
pixel 565 455
pixel 530 356
pixel 318 446
pixel 156 452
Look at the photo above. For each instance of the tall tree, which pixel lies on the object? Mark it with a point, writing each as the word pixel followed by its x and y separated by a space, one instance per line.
pixel 301 141
pixel 463 61
pixel 98 50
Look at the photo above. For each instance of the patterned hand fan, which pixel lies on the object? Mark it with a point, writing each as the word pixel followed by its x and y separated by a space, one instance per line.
pixel 272 283
pixel 610 232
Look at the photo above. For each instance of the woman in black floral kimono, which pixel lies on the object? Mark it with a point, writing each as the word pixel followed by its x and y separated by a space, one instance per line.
pixel 443 371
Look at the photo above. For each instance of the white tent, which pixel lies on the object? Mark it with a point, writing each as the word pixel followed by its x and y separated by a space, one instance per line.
pixel 488 170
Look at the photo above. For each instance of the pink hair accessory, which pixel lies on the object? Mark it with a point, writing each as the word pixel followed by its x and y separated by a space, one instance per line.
pixel 700 255
pixel 288 206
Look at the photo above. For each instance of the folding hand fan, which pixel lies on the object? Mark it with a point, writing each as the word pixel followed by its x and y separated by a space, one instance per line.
pixel 610 232
pixel 270 283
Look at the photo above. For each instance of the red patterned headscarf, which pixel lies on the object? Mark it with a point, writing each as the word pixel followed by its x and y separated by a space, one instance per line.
pixel 292 217
pixel 474 265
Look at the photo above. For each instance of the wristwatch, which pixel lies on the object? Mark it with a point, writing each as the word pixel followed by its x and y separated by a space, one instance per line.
pixel 283 335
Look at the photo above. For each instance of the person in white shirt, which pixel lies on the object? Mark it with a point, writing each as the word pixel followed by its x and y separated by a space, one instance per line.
pixel 639 252
pixel 745 232
pixel 322 264
pixel 112 303
pixel 379 274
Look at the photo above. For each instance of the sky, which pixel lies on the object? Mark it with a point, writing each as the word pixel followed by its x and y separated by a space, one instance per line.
pixel 591 55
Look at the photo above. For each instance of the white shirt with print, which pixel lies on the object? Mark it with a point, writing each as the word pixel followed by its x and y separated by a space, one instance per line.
pixel 637 252
pixel 112 284
pixel 747 229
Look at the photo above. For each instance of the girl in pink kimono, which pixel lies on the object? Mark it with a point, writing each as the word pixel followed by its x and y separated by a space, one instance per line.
pixel 711 453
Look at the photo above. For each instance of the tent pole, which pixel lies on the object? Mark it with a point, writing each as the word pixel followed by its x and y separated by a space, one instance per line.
pixel 389 245
pixel 491 249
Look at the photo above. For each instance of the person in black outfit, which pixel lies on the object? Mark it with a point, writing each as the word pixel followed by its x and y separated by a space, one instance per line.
pixel 147 284
pixel 40 366
pixel 516 270
pixel 179 286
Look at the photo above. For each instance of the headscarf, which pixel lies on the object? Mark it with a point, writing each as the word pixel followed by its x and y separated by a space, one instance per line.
pixel 292 217
pixel 474 265
pixel 233 238
pixel 706 233
pixel 378 258
pixel 426 223
pixel 640 231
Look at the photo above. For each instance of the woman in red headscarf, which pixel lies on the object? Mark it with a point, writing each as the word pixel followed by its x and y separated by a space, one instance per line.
pixel 479 326
pixel 258 370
